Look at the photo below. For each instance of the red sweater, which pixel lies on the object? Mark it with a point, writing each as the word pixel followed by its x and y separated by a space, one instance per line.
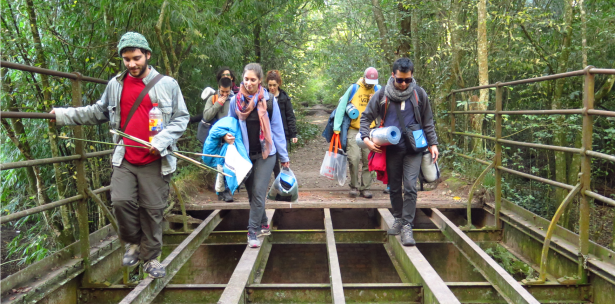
pixel 138 125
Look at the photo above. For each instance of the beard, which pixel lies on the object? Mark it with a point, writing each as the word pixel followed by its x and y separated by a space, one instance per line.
pixel 141 71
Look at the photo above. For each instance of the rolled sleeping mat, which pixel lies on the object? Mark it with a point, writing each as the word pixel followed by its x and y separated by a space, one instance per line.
pixel 352 111
pixel 381 136
pixel 385 136
pixel 429 170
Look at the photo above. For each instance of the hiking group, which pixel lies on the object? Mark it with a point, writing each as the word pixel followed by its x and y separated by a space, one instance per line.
pixel 255 122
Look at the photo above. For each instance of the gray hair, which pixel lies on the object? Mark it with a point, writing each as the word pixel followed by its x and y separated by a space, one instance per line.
pixel 256 68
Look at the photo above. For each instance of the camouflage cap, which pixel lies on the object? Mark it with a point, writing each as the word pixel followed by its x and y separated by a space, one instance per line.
pixel 133 39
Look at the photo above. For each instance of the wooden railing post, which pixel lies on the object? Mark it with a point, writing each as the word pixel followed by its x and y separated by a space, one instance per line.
pixel 82 185
pixel 587 121
pixel 498 155
pixel 452 118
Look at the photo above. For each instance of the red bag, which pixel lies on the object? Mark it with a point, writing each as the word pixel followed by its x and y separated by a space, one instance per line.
pixel 378 162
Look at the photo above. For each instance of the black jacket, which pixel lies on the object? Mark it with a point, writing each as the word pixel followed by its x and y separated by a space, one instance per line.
pixel 376 108
pixel 286 112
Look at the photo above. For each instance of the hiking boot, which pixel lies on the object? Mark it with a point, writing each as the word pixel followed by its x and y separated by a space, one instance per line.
pixel 265 230
pixel 154 268
pixel 365 194
pixel 395 229
pixel 353 192
pixel 131 257
pixel 386 191
pixel 407 235
pixel 253 241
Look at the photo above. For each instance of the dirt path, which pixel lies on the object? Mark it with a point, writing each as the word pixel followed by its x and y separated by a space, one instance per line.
pixel 306 162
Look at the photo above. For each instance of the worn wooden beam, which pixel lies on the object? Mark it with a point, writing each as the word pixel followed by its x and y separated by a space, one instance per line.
pixel 245 269
pixel 416 267
pixel 507 286
pixel 149 288
pixel 335 277
pixel 441 204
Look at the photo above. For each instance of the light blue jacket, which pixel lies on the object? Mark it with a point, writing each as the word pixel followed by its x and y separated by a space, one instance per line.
pixel 280 142
pixel 215 145
pixel 170 101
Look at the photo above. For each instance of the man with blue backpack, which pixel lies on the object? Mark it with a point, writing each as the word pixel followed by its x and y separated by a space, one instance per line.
pixel 353 103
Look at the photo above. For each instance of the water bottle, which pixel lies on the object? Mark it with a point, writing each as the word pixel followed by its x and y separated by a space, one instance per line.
pixel 156 121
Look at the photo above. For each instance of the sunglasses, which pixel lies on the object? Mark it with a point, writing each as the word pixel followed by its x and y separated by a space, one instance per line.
pixel 404 80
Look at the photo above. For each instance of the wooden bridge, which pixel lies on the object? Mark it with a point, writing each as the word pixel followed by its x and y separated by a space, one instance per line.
pixel 325 249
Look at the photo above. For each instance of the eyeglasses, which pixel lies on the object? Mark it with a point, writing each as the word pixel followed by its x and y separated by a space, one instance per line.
pixel 402 80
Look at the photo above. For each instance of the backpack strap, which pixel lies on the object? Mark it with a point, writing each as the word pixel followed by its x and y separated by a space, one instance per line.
pixel 416 107
pixel 138 101
pixel 270 105
pixel 353 91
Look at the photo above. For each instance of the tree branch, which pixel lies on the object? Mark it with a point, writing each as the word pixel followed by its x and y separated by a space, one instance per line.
pixel 538 49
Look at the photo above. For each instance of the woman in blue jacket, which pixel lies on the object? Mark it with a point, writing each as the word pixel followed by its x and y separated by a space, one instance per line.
pixel 263 136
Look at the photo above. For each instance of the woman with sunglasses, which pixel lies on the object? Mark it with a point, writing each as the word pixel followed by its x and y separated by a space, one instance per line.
pixel 263 136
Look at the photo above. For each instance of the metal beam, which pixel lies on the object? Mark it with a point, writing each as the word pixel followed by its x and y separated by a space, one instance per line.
pixel 149 288
pixel 421 203
pixel 335 277
pixel 245 269
pixel 507 286
pixel 416 267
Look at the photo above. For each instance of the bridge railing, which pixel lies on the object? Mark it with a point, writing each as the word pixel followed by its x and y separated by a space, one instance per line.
pixel 79 159
pixel 584 182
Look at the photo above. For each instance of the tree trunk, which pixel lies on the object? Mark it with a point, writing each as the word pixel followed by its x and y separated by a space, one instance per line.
pixel 51 126
pixel 380 23
pixel 584 46
pixel 159 35
pixel 257 41
pixel 415 43
pixel 560 158
pixel 404 48
pixel 482 63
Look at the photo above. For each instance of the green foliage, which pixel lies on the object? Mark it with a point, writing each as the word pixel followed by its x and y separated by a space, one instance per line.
pixel 516 268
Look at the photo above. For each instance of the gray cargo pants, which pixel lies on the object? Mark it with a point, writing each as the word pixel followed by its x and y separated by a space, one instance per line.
pixel 355 155
pixel 403 168
pixel 139 197
pixel 256 186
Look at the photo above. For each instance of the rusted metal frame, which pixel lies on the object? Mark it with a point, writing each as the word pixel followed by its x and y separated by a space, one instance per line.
pixel 524 81
pixel 15 114
pixel 104 208
pixel 81 207
pixel 600 155
pixel 504 283
pixel 594 70
pixel 477 182
pixel 149 287
pixel 601 113
pixel 498 154
pixel 601 260
pixel 172 293
pixel 416 267
pixel 540 146
pixel 51 160
pixel 484 292
pixel 54 271
pixel 473 112
pixel 548 235
pixel 600 198
pixel 585 176
pixel 245 270
pixel 335 277
pixel 315 204
pixel 473 135
pixel 544 112
pixel 537 178
pixel 28 68
pixel 473 158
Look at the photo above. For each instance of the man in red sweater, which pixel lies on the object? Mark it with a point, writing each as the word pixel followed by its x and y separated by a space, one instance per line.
pixel 140 179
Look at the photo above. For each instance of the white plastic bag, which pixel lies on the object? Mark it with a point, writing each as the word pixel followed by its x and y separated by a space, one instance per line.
pixel 237 164
pixel 334 163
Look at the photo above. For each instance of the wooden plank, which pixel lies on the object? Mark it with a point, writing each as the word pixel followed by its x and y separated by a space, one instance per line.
pixel 335 276
pixel 502 281
pixel 245 269
pixel 149 288
pixel 421 203
pixel 416 267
